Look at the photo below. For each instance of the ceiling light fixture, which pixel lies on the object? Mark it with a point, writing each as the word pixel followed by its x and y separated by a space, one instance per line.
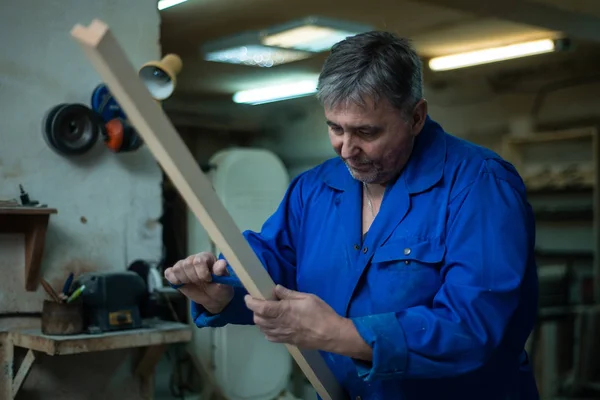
pixel 247 49
pixel 289 42
pixel 490 55
pixel 314 34
pixel 284 91
pixel 162 4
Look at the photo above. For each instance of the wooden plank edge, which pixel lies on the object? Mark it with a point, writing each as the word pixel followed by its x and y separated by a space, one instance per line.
pixel 97 39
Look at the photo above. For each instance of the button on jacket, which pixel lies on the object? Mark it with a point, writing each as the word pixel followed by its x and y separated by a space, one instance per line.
pixel 443 287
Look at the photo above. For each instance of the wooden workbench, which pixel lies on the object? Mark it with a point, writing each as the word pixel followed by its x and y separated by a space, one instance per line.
pixel 154 338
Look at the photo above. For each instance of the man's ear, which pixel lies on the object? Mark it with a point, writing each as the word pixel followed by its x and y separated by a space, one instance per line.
pixel 419 116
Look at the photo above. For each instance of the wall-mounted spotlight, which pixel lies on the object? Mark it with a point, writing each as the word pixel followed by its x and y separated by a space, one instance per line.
pixel 160 77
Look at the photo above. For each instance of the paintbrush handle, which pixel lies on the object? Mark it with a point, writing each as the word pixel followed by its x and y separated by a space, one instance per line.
pixel 51 292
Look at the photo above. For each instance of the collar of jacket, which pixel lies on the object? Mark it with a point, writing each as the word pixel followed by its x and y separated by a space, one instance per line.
pixel 424 169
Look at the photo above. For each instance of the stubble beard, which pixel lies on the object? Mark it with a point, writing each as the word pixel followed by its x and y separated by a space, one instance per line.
pixel 367 177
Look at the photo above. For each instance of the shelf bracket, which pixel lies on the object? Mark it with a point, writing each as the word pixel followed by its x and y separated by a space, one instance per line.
pixel 33 223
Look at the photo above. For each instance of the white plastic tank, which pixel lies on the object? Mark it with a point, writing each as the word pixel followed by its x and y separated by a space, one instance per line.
pixel 251 183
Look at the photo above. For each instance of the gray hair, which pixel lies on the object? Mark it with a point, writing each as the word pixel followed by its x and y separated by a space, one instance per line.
pixel 371 65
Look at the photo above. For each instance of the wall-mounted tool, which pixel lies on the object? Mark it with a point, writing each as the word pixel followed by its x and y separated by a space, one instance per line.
pixel 118 135
pixel 71 129
pixel 160 79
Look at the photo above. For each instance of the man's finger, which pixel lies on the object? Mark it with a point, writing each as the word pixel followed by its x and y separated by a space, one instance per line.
pixel 170 276
pixel 274 339
pixel 201 270
pixel 220 268
pixel 264 308
pixel 203 258
pixel 190 271
pixel 284 293
pixel 264 323
pixel 200 263
pixel 253 304
pixel 180 275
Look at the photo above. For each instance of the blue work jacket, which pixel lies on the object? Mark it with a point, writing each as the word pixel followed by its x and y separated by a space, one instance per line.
pixel 443 287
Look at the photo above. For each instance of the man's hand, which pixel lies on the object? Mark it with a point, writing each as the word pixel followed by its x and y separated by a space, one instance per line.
pixel 195 273
pixel 297 318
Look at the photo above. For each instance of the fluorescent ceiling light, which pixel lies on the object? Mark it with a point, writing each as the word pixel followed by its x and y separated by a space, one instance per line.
pixel 490 55
pixel 162 4
pixel 315 34
pixel 289 42
pixel 274 93
pixel 246 49
pixel 255 55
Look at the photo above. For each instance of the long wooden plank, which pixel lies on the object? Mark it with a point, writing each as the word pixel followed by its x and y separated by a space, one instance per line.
pixel 170 151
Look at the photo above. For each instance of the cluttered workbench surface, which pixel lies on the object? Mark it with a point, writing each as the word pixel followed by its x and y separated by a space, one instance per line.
pixel 93 312
pixel 152 333
pixel 153 336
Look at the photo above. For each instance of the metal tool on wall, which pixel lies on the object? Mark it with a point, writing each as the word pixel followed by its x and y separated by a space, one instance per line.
pixel 118 135
pixel 160 77
pixel 71 129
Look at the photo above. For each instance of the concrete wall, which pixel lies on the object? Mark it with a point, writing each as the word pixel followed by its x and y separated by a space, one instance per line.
pixel 108 205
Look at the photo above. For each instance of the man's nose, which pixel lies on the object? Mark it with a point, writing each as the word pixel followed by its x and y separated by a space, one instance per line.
pixel 349 148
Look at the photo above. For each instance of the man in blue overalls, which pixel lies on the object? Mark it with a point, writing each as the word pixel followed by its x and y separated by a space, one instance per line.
pixel 408 260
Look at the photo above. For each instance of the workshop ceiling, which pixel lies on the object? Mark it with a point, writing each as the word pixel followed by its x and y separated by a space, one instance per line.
pixel 436 27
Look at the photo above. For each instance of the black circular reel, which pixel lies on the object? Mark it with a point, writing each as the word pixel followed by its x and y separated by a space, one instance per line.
pixel 71 129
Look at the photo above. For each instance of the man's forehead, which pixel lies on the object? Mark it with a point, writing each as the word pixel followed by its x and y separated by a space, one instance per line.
pixel 349 111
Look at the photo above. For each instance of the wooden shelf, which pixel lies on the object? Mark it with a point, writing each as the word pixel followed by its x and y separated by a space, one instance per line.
pixel 33 223
pixel 27 211
pixel 558 136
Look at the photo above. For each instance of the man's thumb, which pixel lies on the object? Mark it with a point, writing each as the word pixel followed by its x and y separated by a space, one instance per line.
pixel 284 293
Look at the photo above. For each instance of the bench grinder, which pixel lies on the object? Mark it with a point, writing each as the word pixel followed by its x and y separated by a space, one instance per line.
pixel 111 300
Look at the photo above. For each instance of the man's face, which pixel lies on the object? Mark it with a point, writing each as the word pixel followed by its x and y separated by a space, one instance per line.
pixel 375 142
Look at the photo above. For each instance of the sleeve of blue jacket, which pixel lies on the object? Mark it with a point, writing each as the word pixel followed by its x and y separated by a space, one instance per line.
pixel 274 245
pixel 489 245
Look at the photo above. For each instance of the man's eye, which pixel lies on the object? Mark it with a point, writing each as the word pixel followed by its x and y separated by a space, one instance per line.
pixel 336 129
